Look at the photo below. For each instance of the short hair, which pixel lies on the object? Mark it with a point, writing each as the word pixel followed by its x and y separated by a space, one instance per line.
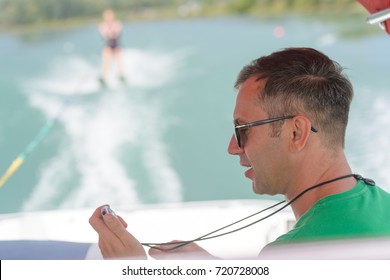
pixel 303 81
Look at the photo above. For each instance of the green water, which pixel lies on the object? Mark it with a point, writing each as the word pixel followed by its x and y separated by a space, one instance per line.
pixel 162 137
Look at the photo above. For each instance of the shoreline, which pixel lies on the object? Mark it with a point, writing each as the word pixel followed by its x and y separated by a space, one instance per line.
pixel 155 15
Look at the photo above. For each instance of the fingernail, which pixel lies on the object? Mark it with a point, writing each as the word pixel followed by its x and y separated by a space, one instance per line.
pixel 104 210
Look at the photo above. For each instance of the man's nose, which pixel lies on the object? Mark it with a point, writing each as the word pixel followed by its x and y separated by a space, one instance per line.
pixel 233 148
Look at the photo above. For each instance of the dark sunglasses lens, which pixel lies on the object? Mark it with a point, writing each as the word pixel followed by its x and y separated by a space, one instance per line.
pixel 237 134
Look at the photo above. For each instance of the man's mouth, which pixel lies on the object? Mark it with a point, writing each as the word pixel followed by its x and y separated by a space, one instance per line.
pixel 249 172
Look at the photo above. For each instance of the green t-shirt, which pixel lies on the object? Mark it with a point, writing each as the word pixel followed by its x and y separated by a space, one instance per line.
pixel 363 211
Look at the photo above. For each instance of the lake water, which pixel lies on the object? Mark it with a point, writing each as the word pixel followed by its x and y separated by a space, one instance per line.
pixel 163 136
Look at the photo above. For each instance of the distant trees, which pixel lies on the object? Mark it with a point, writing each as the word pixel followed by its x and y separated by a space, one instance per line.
pixel 20 12
pixel 33 11
pixel 15 12
pixel 246 6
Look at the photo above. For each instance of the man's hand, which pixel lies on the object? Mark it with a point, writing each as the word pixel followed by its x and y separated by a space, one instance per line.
pixel 188 251
pixel 114 240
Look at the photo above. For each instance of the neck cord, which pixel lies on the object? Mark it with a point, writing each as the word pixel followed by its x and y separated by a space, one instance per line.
pixel 207 236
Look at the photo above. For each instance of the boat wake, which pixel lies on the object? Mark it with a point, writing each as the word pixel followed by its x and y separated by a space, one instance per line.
pixel 110 140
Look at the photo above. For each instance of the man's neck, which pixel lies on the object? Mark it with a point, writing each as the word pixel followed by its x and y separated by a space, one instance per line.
pixel 334 169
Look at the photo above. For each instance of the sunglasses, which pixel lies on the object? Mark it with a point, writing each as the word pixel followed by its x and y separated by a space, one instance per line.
pixel 256 123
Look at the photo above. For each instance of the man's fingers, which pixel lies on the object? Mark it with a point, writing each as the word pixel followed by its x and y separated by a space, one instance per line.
pixel 97 223
pixel 116 225
pixel 104 227
pixel 166 251
pixel 114 240
pixel 188 251
pixel 122 221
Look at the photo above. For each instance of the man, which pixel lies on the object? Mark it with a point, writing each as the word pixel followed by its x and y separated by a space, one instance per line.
pixel 290 120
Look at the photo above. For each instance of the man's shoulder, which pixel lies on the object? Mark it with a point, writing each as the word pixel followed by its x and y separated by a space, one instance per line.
pixel 363 211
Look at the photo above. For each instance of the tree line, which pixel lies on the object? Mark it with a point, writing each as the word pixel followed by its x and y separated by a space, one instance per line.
pixel 25 12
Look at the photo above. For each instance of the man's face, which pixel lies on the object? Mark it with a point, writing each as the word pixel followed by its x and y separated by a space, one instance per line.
pixel 261 153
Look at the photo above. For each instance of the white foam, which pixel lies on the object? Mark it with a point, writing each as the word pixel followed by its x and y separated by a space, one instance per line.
pixel 97 130
pixel 51 178
pixel 149 70
pixel 145 69
pixel 69 77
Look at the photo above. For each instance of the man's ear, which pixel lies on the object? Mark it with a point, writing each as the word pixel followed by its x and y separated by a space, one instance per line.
pixel 300 128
